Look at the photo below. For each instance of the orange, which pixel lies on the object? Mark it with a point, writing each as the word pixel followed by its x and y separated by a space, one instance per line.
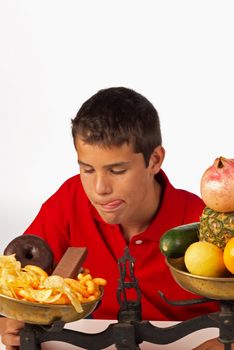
pixel 228 255
pixel 205 259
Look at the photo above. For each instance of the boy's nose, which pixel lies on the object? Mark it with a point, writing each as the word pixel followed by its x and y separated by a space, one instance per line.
pixel 102 185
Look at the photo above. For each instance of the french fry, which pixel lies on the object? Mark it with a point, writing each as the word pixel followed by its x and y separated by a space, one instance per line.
pixel 100 281
pixel 77 286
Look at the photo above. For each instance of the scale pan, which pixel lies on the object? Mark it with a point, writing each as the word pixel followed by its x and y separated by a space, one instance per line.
pixel 217 288
pixel 43 314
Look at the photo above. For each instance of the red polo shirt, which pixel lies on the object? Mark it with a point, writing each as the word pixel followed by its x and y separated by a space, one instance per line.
pixel 67 218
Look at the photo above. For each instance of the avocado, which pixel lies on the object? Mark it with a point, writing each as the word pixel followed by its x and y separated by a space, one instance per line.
pixel 174 242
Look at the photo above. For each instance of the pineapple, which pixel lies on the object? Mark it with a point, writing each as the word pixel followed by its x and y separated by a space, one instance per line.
pixel 216 227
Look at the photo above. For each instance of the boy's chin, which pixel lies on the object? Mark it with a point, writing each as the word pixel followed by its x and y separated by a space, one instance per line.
pixel 110 218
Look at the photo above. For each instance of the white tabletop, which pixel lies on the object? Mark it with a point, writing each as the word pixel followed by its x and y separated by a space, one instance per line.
pixel 94 326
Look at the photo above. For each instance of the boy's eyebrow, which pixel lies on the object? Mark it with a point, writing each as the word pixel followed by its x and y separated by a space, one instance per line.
pixel 105 166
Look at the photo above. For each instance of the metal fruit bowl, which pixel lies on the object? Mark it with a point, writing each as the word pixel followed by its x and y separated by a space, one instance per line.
pixel 43 314
pixel 221 288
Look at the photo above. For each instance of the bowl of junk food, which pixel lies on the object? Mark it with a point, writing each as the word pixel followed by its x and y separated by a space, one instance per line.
pixel 30 291
pixel 200 255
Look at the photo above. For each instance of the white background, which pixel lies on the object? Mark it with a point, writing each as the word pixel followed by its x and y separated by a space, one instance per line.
pixel 54 54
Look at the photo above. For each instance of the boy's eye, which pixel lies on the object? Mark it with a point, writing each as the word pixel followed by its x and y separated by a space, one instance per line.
pixel 88 171
pixel 117 172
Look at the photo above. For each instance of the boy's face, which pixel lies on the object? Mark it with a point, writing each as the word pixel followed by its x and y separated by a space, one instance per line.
pixel 116 181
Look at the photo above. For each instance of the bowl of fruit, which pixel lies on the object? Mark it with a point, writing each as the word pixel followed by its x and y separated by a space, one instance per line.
pixel 217 288
pixel 200 255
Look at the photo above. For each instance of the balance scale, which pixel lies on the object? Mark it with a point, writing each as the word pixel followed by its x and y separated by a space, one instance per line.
pixel 130 330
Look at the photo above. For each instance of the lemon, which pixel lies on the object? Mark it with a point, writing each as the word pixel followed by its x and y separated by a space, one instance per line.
pixel 205 259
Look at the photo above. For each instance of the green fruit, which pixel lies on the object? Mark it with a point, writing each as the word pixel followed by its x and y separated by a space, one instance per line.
pixel 174 242
pixel 216 227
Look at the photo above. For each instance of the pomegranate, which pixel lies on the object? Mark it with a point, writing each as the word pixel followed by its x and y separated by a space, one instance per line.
pixel 217 185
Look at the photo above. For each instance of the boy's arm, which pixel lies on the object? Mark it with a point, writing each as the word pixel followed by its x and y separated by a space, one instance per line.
pixel 9 330
pixel 212 344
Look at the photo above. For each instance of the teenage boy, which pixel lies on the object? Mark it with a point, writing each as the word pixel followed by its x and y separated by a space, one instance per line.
pixel 121 197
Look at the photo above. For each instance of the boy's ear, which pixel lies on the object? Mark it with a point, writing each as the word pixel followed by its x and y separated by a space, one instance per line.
pixel 156 159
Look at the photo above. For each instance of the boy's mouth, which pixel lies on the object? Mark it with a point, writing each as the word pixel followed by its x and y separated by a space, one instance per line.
pixel 112 205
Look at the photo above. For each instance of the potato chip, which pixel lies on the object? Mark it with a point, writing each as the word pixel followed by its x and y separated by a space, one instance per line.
pixel 57 282
pixel 58 298
pixel 40 295
pixel 36 269
pixel 9 262
pixel 24 294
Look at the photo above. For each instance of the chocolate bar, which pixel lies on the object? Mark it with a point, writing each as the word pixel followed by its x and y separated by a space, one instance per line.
pixel 70 264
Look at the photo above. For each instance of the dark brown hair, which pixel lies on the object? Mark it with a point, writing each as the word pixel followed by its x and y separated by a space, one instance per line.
pixel 119 115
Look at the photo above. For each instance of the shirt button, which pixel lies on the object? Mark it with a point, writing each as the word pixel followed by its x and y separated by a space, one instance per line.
pixel 139 241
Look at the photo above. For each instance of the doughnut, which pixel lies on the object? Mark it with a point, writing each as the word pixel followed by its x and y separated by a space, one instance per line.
pixel 31 250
